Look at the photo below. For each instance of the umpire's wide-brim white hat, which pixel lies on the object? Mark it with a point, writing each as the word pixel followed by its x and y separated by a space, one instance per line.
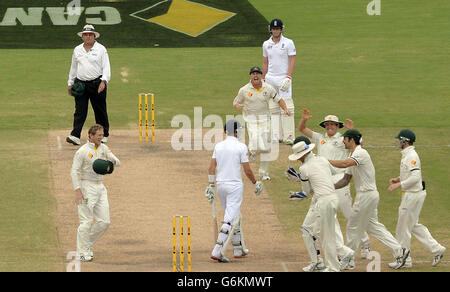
pixel 89 28
pixel 300 149
pixel 331 118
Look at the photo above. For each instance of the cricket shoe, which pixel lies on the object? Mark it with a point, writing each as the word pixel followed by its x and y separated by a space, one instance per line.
pixel 407 265
pixel 437 258
pixel 365 252
pixel 241 253
pixel 319 266
pixel 73 140
pixel 85 258
pixel 220 259
pixel 346 260
pixel 265 177
pixel 401 260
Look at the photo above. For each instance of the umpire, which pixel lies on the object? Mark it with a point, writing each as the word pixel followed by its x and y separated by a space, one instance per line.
pixel 89 73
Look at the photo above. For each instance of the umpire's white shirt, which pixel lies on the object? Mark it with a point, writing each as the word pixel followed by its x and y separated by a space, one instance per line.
pixel 363 171
pixel 331 148
pixel 229 155
pixel 89 65
pixel 83 160
pixel 410 171
pixel 278 56
pixel 316 171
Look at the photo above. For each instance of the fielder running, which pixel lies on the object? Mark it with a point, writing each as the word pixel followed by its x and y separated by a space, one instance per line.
pixel 253 99
pixel 315 175
pixel 279 56
pixel 330 145
pixel 414 194
pixel 90 193
pixel 365 214
pixel 225 170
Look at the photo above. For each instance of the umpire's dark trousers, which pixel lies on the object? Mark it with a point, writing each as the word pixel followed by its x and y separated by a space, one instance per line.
pixel 98 102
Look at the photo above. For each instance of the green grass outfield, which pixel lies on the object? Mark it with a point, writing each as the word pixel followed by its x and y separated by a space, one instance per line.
pixel 385 72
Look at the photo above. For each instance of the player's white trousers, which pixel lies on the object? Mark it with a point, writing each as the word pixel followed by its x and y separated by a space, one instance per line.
pixel 345 206
pixel 286 124
pixel 95 207
pixel 408 223
pixel 365 218
pixel 258 129
pixel 230 196
pixel 310 231
pixel 327 208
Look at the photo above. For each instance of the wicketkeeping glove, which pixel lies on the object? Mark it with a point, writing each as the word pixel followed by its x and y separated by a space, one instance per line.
pixel 297 196
pixel 210 192
pixel 258 187
pixel 285 84
pixel 292 174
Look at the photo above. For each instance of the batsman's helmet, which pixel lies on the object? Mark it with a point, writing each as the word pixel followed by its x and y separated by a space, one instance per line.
pixel 231 127
pixel 407 135
pixel 276 23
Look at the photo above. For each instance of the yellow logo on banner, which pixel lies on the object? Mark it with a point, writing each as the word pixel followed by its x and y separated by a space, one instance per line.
pixel 189 17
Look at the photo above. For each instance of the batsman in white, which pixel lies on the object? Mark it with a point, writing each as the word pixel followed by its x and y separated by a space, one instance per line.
pixel 413 197
pixel 253 99
pixel 90 193
pixel 316 178
pixel 225 171
pixel 279 56
pixel 331 146
pixel 365 214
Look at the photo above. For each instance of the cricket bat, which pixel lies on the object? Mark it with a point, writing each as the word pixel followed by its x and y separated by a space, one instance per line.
pixel 215 233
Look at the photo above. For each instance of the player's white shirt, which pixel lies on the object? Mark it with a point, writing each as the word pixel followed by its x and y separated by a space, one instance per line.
pixel 316 171
pixel 256 102
pixel 89 65
pixel 332 148
pixel 410 170
pixel 278 56
pixel 229 155
pixel 363 171
pixel 83 160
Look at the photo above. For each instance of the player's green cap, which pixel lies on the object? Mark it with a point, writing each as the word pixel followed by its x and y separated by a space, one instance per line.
pixel 353 133
pixel 255 69
pixel 102 166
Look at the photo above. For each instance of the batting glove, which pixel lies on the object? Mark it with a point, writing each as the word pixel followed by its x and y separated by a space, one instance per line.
pixel 297 196
pixel 285 83
pixel 258 187
pixel 292 174
pixel 210 192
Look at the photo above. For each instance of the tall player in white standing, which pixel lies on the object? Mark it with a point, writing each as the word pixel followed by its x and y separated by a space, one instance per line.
pixel 365 213
pixel 413 196
pixel 331 146
pixel 279 56
pixel 225 170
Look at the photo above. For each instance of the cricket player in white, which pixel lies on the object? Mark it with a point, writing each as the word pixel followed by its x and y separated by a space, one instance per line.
pixel 279 56
pixel 226 160
pixel 365 214
pixel 315 175
pixel 90 193
pixel 331 146
pixel 253 99
pixel 413 197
